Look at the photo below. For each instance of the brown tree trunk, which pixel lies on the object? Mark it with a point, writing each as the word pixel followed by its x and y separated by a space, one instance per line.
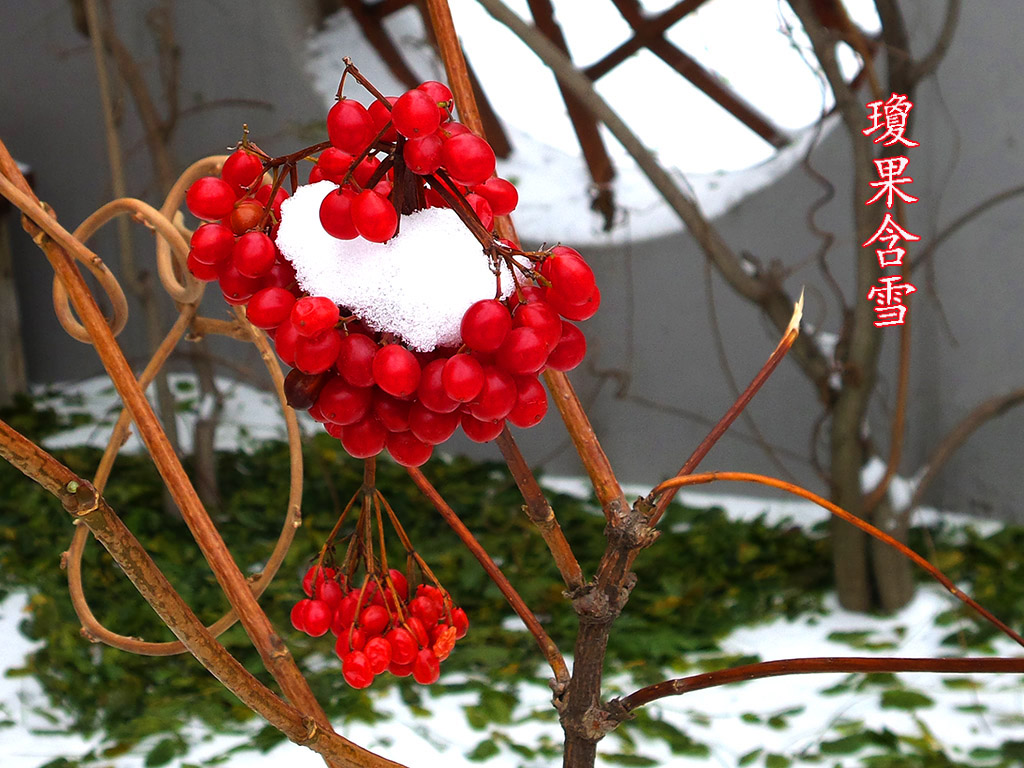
pixel 12 356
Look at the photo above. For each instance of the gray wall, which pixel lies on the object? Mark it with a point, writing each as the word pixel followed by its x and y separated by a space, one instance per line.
pixel 654 326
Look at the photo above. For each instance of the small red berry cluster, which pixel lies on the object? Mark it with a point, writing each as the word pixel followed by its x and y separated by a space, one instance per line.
pixel 370 390
pixel 378 628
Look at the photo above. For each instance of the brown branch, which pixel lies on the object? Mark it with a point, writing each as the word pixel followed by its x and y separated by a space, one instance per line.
pixel 620 707
pixel 931 60
pixel 954 439
pixel 539 511
pixel 766 293
pixel 960 221
pixel 546 644
pixel 271 647
pixel 88 508
pixel 837 511
pixel 784 345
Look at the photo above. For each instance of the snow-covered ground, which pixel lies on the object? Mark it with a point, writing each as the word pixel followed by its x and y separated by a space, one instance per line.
pixel 790 716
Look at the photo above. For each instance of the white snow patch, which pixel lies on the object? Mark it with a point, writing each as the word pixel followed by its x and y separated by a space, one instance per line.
pixel 418 285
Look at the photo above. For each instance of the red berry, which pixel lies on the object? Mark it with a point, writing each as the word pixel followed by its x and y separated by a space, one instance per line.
pixel 380 115
pixel 399 582
pixel 318 353
pixel 210 198
pixel 482 209
pixel 298 614
pixel 426 669
pixel 285 339
pixel 432 427
pixel 524 351
pixel 501 194
pixel 269 307
pixel 485 325
pixel 431 392
pixel 312 315
pixel 349 639
pixel 392 412
pixel 200 271
pixel 254 254
pixel 415 114
pixel 349 126
pixel 497 396
pixel 439 92
pixel 247 215
pixel 364 439
pixel 542 317
pixel 419 632
pixel 531 402
pixel 282 274
pixel 355 667
pixel 316 174
pixel 263 196
pixel 481 431
pixel 334 164
pixel 423 155
pixel 400 670
pixel 403 645
pixel 234 284
pixel 462 378
pixel 374 619
pixel 345 615
pixel 407 449
pixel 342 403
pixel 374 217
pixel 378 652
pixel 396 370
pixel 315 576
pixel 365 170
pixel 212 243
pixel 241 170
pixel 468 159
pixel 451 128
pixel 583 311
pixel 318 618
pixel 570 350
pixel 336 215
pixel 426 610
pixel 570 276
pixel 330 592
pixel 355 360
pixel 461 623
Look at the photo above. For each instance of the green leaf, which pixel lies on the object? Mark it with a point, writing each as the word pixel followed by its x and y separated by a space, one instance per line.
pixel 485 750
pixel 905 699
pixel 777 761
pixel 750 757
pixel 165 751
pixel 624 759
pixel 846 745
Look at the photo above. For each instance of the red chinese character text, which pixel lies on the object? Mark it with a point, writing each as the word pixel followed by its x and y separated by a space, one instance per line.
pixel 891 258
pixel 888 300
pixel 888 169
pixel 891 115
pixel 889 232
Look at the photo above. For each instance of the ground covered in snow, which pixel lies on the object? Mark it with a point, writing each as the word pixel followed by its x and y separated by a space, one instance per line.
pixel 892 720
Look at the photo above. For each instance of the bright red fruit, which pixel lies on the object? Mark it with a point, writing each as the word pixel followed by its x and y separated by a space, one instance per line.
pixel 431 391
pixel 462 377
pixel 334 164
pixel 542 317
pixel 570 350
pixel 468 159
pixel 423 155
pixel 254 254
pixel 374 619
pixel 426 610
pixel 212 243
pixel 319 574
pixel 396 370
pixel 579 312
pixel 378 652
pixel 571 277
pixel 200 271
pixel 439 92
pixel 407 449
pixel 365 170
pixel 263 196
pixel 374 217
pixel 426 669
pixel 312 315
pixel 481 431
pixel 234 285
pixel 461 623
pixel 336 215
pixel 318 617
pixel 399 582
pixel 430 426
pixel 415 114
pixel 497 396
pixel 403 645
pixel 342 403
pixel 364 439
pixel 531 402
pixel 298 615
pixel 317 353
pixel 355 360
pixel 285 339
pixel 501 194
pixel 482 209
pixel 485 325
pixel 210 198
pixel 524 351
pixel 392 412
pixel 355 667
pixel 269 307
pixel 381 115
pixel 349 126
pixel 241 170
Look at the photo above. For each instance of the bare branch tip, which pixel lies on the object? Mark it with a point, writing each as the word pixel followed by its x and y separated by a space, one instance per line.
pixel 798 313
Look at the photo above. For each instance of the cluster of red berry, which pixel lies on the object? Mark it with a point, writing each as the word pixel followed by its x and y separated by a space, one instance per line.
pixel 378 627
pixel 368 389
